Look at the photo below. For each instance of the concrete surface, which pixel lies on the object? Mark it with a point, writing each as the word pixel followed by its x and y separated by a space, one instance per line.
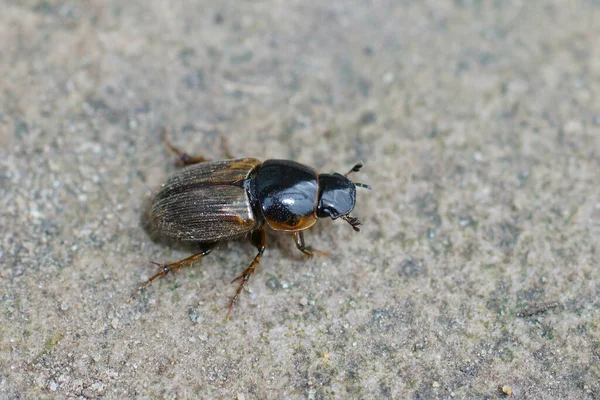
pixel 476 274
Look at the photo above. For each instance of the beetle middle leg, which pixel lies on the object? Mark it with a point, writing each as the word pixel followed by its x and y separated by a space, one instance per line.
pixel 166 268
pixel 259 240
pixel 309 251
pixel 184 158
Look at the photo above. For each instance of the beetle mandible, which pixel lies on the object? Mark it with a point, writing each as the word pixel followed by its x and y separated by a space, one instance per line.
pixel 209 201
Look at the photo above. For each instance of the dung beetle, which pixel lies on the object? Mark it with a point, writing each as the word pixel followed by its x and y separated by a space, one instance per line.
pixel 209 201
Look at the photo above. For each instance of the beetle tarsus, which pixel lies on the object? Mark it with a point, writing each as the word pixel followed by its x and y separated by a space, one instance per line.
pixel 166 268
pixel 244 278
pixel 184 158
pixel 319 252
pixel 354 222
pixel 307 250
pixel 258 239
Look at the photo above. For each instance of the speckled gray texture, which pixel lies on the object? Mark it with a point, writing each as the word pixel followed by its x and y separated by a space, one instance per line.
pixel 478 263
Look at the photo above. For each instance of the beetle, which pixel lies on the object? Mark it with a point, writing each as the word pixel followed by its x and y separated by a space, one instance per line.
pixel 209 201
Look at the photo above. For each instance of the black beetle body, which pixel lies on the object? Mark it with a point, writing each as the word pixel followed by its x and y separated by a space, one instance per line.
pixel 210 201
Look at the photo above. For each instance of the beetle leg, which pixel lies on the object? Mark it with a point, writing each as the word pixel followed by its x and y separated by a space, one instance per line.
pixel 225 148
pixel 184 158
pixel 258 239
pixel 166 268
pixel 309 251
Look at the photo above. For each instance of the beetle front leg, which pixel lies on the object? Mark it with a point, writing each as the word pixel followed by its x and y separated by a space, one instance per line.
pixel 166 268
pixel 184 158
pixel 259 240
pixel 309 251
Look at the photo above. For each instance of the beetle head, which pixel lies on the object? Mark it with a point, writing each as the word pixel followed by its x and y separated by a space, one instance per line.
pixel 337 196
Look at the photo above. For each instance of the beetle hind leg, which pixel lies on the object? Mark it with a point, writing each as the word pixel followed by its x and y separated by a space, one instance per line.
pixel 166 268
pixel 226 149
pixel 307 250
pixel 259 240
pixel 184 158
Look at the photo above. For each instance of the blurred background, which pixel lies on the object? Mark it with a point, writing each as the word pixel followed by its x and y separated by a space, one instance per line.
pixel 475 274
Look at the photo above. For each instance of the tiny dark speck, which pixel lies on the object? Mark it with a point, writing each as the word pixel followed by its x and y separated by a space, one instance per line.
pixel 194 317
pixel 241 57
pixel 364 86
pixel 462 66
pixel 219 18
pixel 21 129
pixel 273 284
pixel 368 118
pixel 43 7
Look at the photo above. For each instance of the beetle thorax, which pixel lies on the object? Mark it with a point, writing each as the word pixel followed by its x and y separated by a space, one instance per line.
pixel 287 193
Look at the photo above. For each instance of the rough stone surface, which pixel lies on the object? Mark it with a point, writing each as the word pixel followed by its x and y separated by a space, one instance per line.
pixel 476 274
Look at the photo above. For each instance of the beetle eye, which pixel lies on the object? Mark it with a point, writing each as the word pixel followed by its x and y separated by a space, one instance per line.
pixel 354 222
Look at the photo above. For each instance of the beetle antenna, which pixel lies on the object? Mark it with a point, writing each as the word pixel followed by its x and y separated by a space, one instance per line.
pixel 354 222
pixel 356 168
pixel 362 185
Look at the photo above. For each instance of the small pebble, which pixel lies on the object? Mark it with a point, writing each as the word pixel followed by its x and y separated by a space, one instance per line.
pixel 435 384
pixel 507 390
pixel 303 301
pixel 64 306
pixel 388 78
pixel 53 386
pixel 573 126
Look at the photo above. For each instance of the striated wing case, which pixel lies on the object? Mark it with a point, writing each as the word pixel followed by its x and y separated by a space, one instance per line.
pixel 205 202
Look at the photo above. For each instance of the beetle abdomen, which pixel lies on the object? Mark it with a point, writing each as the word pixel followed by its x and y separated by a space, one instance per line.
pixel 205 202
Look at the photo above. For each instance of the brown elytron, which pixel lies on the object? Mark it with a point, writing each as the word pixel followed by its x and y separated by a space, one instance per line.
pixel 215 187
